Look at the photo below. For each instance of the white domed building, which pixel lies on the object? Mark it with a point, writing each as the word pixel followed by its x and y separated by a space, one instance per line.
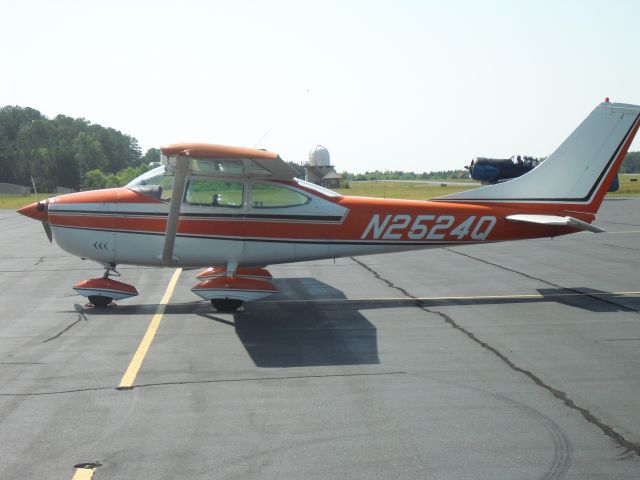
pixel 319 170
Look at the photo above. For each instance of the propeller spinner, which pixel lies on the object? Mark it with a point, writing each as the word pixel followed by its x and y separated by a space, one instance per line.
pixel 39 211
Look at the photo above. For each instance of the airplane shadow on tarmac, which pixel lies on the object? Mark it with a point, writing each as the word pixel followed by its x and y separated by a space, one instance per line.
pixel 591 300
pixel 310 323
pixel 284 334
pixel 281 334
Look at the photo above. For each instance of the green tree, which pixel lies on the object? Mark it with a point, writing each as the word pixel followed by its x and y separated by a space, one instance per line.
pixel 125 176
pixel 152 156
pixel 89 152
pixel 96 179
pixel 33 156
pixel 298 168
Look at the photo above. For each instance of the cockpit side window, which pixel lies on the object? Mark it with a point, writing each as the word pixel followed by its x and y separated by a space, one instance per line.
pixel 265 195
pixel 214 193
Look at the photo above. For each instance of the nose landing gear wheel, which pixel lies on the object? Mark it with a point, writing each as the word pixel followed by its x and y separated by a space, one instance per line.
pixel 226 304
pixel 102 291
pixel 100 301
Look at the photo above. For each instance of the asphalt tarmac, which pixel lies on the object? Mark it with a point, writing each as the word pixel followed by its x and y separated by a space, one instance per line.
pixel 504 361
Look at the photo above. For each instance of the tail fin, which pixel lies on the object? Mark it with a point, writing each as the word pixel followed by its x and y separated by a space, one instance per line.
pixel 579 173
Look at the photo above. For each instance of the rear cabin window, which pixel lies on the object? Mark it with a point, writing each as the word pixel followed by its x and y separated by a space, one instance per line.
pixel 276 196
pixel 212 193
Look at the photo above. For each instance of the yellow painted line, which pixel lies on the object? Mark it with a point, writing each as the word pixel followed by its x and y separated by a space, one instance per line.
pixel 475 297
pixel 136 362
pixel 83 474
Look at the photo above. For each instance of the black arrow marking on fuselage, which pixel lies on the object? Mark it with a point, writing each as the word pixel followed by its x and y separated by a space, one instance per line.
pixel 101 245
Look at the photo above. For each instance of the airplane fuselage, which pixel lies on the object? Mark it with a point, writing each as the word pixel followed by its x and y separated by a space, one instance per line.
pixel 122 226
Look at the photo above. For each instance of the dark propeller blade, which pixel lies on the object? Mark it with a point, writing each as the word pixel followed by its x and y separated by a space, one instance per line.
pixel 47 230
pixel 45 223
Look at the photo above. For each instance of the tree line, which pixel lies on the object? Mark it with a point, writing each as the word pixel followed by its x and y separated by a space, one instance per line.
pixel 74 153
pixel 631 163
pixel 401 175
pixel 61 151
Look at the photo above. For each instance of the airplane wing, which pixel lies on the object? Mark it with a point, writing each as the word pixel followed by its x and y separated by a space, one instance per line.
pixel 554 220
pixel 210 159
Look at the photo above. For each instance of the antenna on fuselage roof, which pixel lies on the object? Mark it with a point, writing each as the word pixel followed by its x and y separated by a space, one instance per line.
pixel 264 136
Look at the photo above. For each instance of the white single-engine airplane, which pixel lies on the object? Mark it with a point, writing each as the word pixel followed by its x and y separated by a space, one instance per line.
pixel 237 210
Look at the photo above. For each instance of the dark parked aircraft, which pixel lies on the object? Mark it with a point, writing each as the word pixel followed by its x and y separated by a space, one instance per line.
pixel 495 170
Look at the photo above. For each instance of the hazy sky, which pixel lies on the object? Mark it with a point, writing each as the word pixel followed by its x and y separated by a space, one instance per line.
pixel 401 85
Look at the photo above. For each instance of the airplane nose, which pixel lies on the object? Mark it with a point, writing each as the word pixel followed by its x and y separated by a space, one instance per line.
pixel 37 211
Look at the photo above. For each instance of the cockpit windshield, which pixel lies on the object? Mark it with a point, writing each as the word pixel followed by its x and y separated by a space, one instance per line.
pixel 157 183
pixel 317 188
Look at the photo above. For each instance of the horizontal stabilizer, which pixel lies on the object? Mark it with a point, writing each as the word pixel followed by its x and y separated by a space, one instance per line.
pixel 555 220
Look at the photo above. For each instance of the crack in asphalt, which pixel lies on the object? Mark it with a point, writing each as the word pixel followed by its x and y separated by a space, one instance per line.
pixel 31 270
pixel 21 363
pixel 628 445
pixel 12 257
pixel 84 269
pixel 620 246
pixel 262 379
pixel 55 392
pixel 196 382
pixel 619 223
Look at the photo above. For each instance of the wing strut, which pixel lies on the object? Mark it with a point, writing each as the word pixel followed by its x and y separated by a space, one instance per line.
pixel 179 181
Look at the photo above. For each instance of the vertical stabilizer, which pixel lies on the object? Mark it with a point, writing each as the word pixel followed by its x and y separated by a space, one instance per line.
pixel 579 172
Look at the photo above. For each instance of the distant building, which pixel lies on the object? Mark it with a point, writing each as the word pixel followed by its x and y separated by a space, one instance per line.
pixel 319 170
pixel 11 189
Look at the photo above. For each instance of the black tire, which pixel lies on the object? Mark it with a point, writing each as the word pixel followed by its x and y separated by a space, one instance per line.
pixel 226 304
pixel 100 301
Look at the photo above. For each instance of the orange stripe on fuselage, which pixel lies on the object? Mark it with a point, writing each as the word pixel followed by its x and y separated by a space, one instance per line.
pixel 108 222
pixel 396 221
pixel 362 209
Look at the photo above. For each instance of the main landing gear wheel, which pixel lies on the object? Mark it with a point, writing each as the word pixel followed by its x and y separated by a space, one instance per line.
pixel 100 301
pixel 226 304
